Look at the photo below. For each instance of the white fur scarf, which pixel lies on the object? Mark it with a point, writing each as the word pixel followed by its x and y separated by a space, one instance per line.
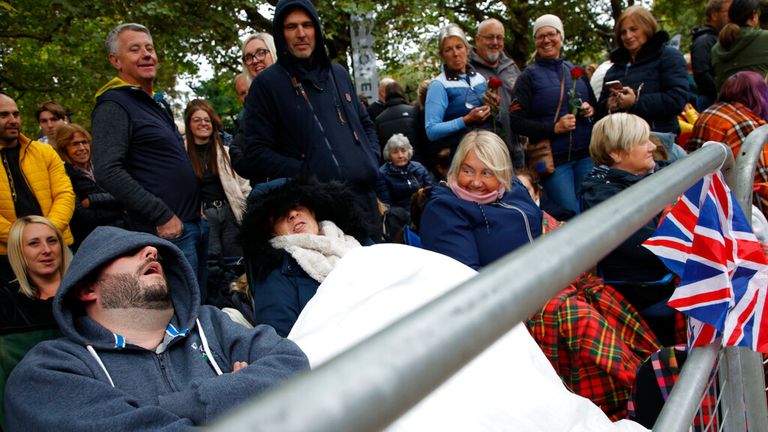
pixel 317 254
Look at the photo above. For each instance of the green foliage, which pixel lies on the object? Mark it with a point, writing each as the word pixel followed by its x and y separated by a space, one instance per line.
pixel 54 49
pixel 219 91
pixel 406 33
pixel 679 16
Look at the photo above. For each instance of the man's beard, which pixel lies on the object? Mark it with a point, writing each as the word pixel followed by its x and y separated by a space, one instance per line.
pixel 492 57
pixel 125 291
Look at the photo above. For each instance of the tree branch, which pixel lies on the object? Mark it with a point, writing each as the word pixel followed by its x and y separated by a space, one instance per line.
pixel 25 35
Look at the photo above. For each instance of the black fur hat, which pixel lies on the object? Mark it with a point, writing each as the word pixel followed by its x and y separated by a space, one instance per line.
pixel 333 201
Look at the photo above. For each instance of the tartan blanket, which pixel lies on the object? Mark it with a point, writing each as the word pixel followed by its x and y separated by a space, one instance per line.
pixel 596 342
pixel 666 366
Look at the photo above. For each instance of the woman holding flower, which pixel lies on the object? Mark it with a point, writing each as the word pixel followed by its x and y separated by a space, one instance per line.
pixel 455 101
pixel 553 102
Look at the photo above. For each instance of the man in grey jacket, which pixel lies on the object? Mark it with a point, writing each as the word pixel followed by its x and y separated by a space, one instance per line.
pixel 138 351
pixel 489 60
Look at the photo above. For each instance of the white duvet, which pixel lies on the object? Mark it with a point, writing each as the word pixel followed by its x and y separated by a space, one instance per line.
pixel 509 387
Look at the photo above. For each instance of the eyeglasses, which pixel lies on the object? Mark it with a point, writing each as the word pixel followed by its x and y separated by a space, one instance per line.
pixel 259 54
pixel 80 143
pixel 200 120
pixel 550 36
pixel 491 38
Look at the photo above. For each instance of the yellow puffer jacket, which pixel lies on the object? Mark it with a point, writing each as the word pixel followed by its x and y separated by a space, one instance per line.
pixel 46 177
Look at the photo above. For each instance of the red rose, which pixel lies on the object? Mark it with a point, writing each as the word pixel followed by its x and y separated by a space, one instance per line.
pixel 577 72
pixel 494 83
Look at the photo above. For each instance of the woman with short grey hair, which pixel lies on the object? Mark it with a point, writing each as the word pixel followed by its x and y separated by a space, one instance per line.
pixel 400 177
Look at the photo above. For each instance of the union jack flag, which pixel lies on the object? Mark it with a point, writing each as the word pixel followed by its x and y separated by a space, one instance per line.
pixel 707 241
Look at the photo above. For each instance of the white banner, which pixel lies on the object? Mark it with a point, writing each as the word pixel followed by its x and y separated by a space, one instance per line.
pixel 363 56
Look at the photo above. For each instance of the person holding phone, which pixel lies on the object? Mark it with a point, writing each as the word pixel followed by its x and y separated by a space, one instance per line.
pixel 614 85
pixel 648 78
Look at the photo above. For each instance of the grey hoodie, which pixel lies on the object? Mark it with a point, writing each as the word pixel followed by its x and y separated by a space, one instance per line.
pixel 61 385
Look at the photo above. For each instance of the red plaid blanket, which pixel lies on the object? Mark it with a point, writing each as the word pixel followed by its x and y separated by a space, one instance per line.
pixel 595 340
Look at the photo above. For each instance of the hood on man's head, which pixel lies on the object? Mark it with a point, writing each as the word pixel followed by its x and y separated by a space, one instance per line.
pixel 103 246
pixel 281 11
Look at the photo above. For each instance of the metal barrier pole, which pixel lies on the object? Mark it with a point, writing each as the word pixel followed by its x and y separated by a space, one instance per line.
pixel 683 402
pixel 373 383
pixel 743 383
pixel 744 395
pixel 742 177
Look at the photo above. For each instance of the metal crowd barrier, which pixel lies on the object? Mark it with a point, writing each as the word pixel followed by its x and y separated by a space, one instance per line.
pixel 373 383
pixel 742 380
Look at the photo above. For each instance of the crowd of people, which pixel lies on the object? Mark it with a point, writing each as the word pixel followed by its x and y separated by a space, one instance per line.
pixel 169 228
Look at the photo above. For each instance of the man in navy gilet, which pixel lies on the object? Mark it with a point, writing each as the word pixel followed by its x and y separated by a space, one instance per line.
pixel 138 153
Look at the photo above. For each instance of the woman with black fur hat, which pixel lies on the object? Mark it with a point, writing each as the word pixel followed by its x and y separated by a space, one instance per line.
pixel 293 235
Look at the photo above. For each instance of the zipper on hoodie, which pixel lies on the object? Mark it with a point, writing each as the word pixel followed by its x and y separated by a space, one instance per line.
pixel 522 213
pixel 164 371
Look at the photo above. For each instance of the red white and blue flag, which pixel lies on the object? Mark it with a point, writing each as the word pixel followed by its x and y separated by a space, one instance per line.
pixel 707 241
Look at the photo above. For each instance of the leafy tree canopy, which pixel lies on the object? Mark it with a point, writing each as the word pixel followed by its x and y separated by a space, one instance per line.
pixel 54 49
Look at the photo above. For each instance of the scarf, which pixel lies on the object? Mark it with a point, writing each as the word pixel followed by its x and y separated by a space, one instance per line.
pixel 317 254
pixel 476 197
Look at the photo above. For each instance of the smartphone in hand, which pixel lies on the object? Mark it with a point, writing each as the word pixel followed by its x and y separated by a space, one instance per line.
pixel 614 85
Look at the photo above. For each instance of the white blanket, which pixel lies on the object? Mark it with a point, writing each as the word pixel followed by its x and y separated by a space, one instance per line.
pixel 509 387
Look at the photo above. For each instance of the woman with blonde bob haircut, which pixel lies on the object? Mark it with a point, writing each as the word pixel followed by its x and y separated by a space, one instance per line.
pixel 617 133
pixel 490 150
pixel 483 212
pixel 39 257
pixel 623 155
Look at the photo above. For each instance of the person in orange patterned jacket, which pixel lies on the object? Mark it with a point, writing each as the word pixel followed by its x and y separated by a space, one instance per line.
pixel 741 107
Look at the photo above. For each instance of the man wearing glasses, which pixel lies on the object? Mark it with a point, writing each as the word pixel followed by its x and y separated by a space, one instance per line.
pixel 489 60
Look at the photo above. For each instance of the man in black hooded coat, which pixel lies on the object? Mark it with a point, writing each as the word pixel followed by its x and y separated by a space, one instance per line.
pixel 303 116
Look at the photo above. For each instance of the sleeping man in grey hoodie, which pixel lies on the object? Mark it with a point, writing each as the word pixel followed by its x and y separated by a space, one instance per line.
pixel 139 352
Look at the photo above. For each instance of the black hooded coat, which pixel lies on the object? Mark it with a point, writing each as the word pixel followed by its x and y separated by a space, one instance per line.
pixel 303 116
